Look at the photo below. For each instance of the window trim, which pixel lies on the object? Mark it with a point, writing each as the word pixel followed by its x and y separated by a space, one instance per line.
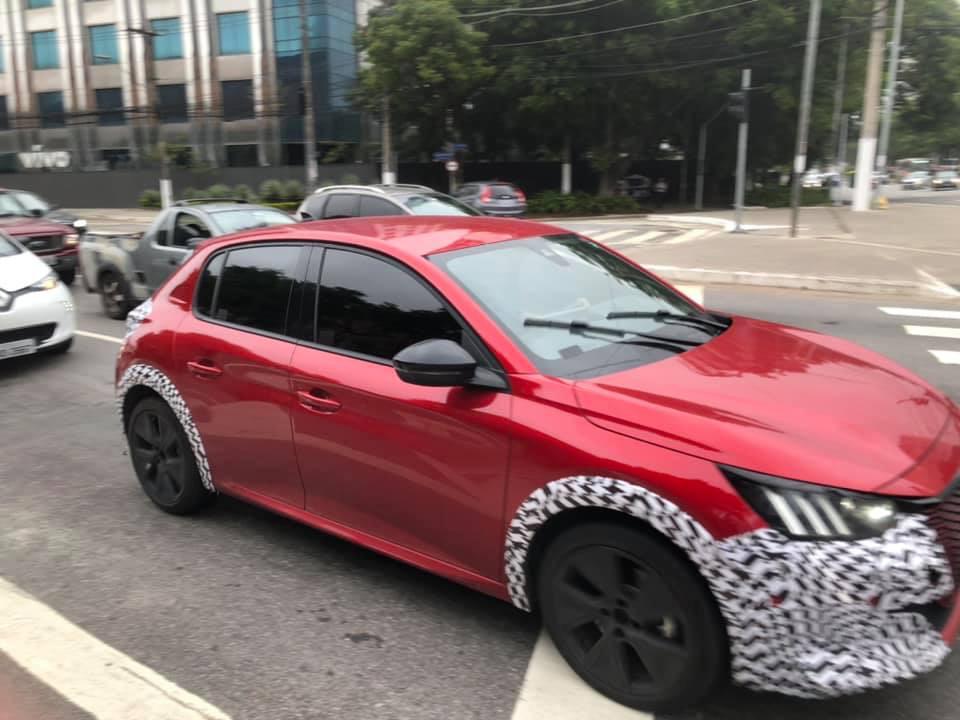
pixel 298 278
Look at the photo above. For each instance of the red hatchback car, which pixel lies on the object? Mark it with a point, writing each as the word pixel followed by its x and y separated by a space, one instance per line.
pixel 685 497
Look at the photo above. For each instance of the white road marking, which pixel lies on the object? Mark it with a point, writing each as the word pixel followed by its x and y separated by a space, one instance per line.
pixel 933 331
pixel 610 234
pixel 637 239
pixel 688 236
pixel 921 312
pixel 947 357
pixel 552 691
pixel 93 676
pixel 98 336
pixel 694 292
pixel 938 285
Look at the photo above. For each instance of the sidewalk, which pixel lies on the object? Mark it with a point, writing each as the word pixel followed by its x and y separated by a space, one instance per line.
pixel 902 250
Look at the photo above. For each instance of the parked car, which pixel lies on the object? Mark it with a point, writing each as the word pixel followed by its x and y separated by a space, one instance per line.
pixel 54 243
pixel 36 309
pixel 126 269
pixel 493 198
pixel 684 495
pixel 918 180
pixel 945 180
pixel 346 201
pixel 814 179
pixel 35 206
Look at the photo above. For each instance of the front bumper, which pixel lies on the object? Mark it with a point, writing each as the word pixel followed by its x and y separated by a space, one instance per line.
pixel 61 261
pixel 828 618
pixel 38 309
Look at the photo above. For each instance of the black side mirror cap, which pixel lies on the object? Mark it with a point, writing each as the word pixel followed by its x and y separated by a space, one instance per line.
pixel 435 363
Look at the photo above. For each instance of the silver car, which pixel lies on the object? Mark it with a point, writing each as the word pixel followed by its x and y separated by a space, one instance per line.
pixel 493 198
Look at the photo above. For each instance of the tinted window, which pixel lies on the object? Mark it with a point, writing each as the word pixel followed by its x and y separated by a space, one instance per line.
pixel 372 206
pixel 109 106
pixel 341 205
pixel 189 227
pixel 237 99
pixel 231 221
pixel 172 103
pixel 255 287
pixel 369 306
pixel 7 248
pixel 208 284
pixel 314 206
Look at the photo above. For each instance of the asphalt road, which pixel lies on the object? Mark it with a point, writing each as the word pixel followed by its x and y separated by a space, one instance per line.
pixel 269 620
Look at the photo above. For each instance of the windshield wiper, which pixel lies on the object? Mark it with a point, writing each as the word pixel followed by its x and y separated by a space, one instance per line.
pixel 581 327
pixel 669 318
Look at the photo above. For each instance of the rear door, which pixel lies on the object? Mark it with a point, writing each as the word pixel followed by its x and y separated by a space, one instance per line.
pixel 342 205
pixel 232 357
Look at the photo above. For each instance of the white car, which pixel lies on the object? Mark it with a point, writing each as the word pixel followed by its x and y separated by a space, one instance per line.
pixel 36 309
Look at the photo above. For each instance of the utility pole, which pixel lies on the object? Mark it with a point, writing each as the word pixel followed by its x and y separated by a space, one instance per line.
pixel 166 184
pixel 887 119
pixel 841 155
pixel 387 175
pixel 839 89
pixel 867 144
pixel 803 124
pixel 309 122
pixel 741 185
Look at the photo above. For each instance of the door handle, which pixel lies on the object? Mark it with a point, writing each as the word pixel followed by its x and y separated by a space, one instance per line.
pixel 204 369
pixel 318 403
pixel 173 261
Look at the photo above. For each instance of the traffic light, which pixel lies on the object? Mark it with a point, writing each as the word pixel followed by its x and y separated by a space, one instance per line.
pixel 738 105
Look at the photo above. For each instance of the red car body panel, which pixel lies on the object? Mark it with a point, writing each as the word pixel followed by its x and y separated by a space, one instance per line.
pixel 24 228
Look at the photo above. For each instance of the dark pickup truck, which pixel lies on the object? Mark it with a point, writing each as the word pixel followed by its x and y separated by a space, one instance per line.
pixel 126 269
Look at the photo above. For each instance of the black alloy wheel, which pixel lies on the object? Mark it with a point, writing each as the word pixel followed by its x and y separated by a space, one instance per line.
pixel 113 296
pixel 632 617
pixel 163 459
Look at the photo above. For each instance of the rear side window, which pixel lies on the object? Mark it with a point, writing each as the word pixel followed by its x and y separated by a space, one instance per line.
pixel 314 206
pixel 373 206
pixel 208 284
pixel 254 287
pixel 372 307
pixel 341 205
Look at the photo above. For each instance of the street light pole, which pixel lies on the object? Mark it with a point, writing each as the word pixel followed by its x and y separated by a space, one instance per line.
pixel 803 125
pixel 867 144
pixel 839 89
pixel 742 152
pixel 309 122
pixel 166 184
pixel 891 88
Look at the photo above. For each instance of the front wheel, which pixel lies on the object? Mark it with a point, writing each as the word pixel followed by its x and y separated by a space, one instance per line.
pixel 67 276
pixel 113 296
pixel 632 617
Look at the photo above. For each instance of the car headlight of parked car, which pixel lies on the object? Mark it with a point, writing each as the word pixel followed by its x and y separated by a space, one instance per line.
pixel 49 282
pixel 812 512
pixel 71 239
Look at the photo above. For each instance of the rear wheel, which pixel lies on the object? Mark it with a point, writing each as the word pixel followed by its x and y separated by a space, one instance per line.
pixel 113 295
pixel 163 459
pixel 632 617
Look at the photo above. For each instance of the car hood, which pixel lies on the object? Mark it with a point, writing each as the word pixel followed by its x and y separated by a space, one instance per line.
pixel 782 401
pixel 19 226
pixel 21 270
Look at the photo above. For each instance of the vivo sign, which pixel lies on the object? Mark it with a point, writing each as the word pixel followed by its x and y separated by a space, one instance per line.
pixel 40 159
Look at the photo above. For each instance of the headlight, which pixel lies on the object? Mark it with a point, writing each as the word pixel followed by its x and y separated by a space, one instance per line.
pixel 71 239
pixel 810 512
pixel 48 283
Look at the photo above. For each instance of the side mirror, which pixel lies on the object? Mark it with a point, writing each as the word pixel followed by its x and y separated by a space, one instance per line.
pixel 36 212
pixel 193 242
pixel 80 226
pixel 305 216
pixel 435 363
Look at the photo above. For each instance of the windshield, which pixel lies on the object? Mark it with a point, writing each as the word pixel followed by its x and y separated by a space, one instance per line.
pixel 8 247
pixel 231 221
pixel 437 205
pixel 31 202
pixel 10 206
pixel 946 174
pixel 532 286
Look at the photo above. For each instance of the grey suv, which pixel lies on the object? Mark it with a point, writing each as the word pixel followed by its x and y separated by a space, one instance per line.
pixel 344 201
pixel 494 198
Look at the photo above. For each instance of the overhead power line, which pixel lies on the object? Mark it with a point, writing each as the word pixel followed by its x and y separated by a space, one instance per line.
pixel 514 10
pixel 525 13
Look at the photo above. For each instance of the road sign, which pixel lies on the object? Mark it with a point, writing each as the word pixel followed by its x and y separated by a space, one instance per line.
pixel 442 156
pixel 452 166
pixel 460 147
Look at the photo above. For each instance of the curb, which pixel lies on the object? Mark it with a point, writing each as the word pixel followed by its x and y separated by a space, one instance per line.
pixel 871 286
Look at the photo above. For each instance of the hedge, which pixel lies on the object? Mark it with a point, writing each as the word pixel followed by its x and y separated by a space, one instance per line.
pixel 556 203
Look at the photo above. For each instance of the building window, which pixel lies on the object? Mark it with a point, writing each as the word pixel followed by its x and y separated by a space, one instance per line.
pixel 45 53
pixel 233 29
pixel 104 49
pixel 242 156
pixel 237 99
pixel 4 117
pixel 172 106
pixel 110 106
pixel 39 4
pixel 168 43
pixel 50 107
pixel 3 64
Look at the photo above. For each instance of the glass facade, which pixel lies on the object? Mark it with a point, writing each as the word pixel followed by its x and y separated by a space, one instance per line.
pixel 233 32
pixel 104 49
pixel 110 106
pixel 172 103
pixel 4 116
pixel 3 66
pixel 39 3
pixel 168 43
pixel 43 45
pixel 237 97
pixel 333 64
pixel 50 109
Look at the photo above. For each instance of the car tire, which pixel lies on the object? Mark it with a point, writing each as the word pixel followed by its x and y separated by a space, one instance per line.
pixel 632 617
pixel 113 295
pixel 67 276
pixel 163 459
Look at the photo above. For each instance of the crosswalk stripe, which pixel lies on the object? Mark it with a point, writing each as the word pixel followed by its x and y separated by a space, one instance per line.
pixel 610 234
pixel 688 236
pixel 933 331
pixel 947 357
pixel 921 312
pixel 636 239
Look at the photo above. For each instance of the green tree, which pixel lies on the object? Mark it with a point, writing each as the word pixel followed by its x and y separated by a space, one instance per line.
pixel 425 62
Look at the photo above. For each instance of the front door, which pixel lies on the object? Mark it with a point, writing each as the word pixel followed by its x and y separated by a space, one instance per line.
pixel 233 357
pixel 423 467
pixel 171 245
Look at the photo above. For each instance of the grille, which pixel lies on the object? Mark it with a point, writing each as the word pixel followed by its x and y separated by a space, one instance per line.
pixel 42 243
pixel 945 519
pixel 40 332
